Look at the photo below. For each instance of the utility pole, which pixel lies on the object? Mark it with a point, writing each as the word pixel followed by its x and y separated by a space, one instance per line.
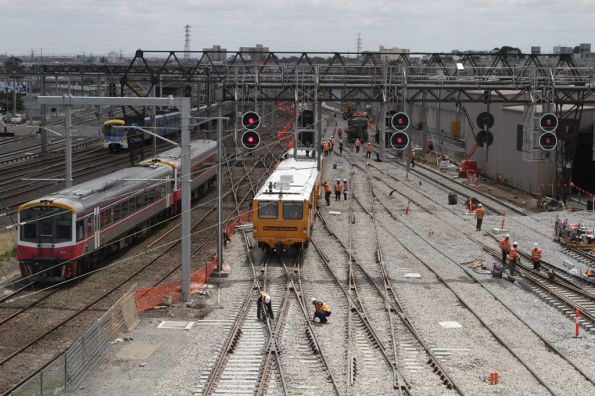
pixel 43 133
pixel 68 145
pixel 220 180
pixel 317 122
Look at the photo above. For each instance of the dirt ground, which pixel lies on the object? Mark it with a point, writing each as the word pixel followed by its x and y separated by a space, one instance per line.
pixel 7 254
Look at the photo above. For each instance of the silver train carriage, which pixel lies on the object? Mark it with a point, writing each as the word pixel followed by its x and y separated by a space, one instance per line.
pixel 70 232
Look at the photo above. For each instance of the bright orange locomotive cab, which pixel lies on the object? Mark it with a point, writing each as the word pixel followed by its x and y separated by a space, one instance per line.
pixel 285 207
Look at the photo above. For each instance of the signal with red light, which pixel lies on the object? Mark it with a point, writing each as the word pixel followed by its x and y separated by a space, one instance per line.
pixel 548 122
pixel 250 140
pixel 548 141
pixel 399 140
pixel 250 120
pixel 400 121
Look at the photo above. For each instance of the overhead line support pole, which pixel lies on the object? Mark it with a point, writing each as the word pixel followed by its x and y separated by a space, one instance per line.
pixel 220 181
pixel 186 190
pixel 68 146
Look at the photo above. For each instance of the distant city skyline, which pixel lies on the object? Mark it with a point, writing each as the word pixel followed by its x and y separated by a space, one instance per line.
pixel 68 27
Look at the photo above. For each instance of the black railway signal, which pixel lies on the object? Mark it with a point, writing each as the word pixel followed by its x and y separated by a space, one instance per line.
pixel 484 138
pixel 485 120
pixel 399 140
pixel 548 122
pixel 250 140
pixel 548 141
pixel 400 121
pixel 250 120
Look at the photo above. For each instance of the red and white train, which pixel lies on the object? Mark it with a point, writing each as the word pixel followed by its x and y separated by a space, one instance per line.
pixel 70 232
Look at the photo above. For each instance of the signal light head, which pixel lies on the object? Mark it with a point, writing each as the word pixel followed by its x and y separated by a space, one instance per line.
pixel 399 140
pixel 400 121
pixel 250 120
pixel 548 141
pixel 548 122
pixel 250 140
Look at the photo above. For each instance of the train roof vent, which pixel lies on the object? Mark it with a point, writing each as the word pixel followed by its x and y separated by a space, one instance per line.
pixel 282 186
pixel 286 179
pixel 80 193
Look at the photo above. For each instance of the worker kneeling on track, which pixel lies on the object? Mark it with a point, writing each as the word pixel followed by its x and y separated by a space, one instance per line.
pixel 322 310
pixel 264 304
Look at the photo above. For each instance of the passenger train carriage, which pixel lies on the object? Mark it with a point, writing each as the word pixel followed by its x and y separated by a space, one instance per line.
pixel 70 232
pixel 284 209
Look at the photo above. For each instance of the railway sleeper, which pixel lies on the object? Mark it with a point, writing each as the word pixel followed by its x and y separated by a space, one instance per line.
pixel 311 342
pixel 587 325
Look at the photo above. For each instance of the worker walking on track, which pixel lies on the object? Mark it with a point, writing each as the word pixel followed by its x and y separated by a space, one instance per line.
pixel 264 306
pixel 479 214
pixel 327 193
pixel 513 258
pixel 357 144
pixel 321 310
pixel 338 190
pixel 369 150
pixel 345 189
pixel 340 147
pixel 413 155
pixel 332 144
pixel 536 257
pixel 505 247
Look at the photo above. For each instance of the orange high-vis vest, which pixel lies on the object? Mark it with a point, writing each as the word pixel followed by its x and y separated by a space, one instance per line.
pixel 321 306
pixel 325 147
pixel 479 213
pixel 536 254
pixel 505 245
pixel 358 142
pixel 369 148
pixel 413 154
pixel 327 187
pixel 513 255
pixel 338 186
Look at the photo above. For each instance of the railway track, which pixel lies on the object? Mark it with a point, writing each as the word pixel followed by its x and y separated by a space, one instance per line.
pixel 500 339
pixel 573 291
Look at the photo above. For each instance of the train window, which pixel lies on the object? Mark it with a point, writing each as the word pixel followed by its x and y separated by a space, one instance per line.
pixel 89 222
pixel 132 204
pixel 80 230
pixel 151 195
pixel 267 210
pixel 293 210
pixel 106 217
pixel 63 227
pixel 117 212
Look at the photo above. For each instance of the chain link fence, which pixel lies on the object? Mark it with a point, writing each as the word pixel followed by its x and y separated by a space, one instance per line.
pixel 66 372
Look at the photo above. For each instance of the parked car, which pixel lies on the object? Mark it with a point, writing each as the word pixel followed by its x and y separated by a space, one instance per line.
pixel 17 119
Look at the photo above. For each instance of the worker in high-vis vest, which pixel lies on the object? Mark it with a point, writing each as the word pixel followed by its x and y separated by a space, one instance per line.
pixel 321 310
pixel 358 143
pixel 327 192
pixel 479 215
pixel 536 257
pixel 513 258
pixel 505 247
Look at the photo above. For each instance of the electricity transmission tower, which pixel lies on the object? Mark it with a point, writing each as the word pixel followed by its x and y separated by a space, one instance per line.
pixel 187 44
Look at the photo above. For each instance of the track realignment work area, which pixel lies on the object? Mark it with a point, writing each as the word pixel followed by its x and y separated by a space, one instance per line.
pixel 415 308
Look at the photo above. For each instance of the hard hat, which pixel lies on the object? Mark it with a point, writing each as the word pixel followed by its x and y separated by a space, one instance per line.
pixel 515 244
pixel 535 245
pixel 344 180
pixel 313 300
pixel 507 236
pixel 480 206
pixel 267 300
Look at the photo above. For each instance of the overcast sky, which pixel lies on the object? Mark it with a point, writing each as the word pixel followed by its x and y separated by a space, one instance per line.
pixel 99 26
